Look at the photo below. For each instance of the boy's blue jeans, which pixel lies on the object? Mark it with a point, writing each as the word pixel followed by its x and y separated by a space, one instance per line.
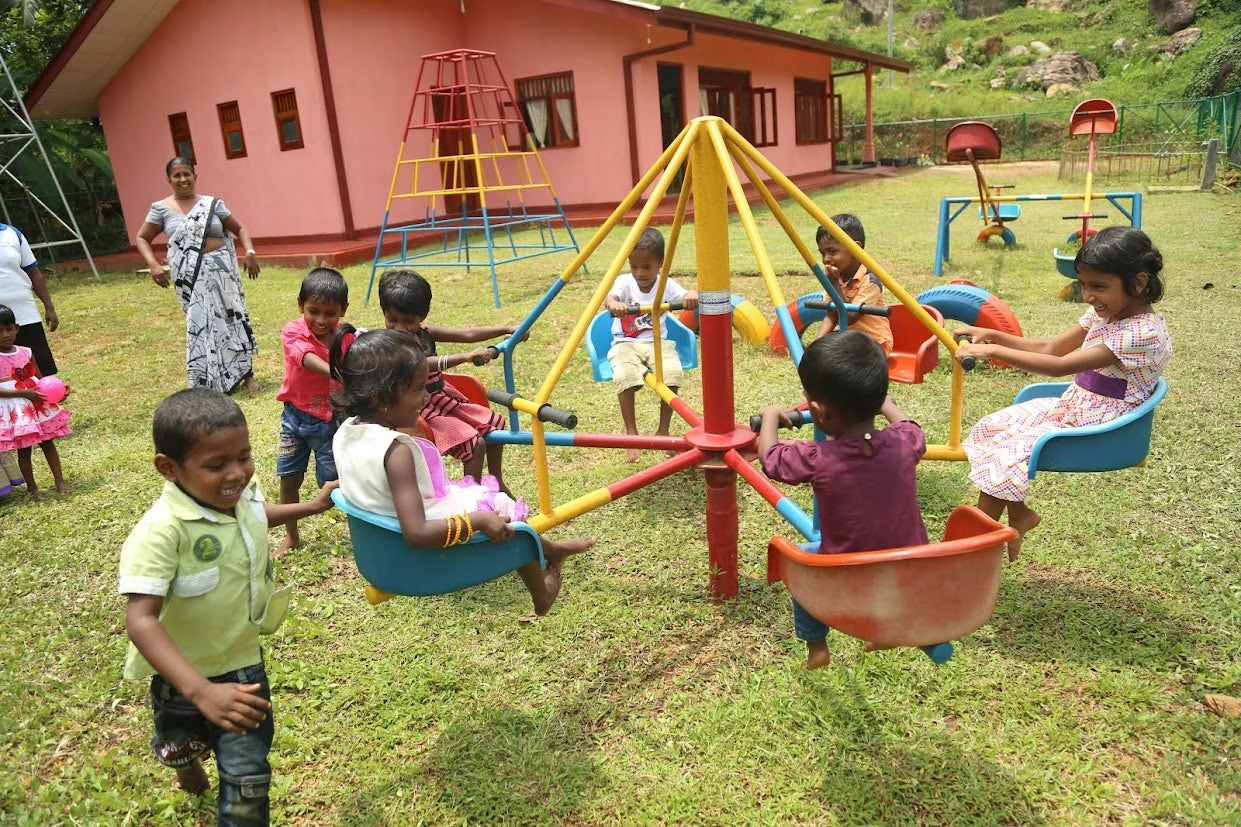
pixel 300 435
pixel 183 734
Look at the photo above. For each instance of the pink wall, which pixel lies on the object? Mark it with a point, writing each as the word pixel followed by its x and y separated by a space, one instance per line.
pixel 536 38
pixel 209 53
pixel 374 48
pixel 202 55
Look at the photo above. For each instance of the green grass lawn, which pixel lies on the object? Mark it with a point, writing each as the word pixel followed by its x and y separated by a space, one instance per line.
pixel 639 700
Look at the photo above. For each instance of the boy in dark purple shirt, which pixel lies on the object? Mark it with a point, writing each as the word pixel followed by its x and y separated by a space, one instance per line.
pixel 863 478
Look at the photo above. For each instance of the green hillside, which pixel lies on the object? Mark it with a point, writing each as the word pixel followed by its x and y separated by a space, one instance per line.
pixel 1141 74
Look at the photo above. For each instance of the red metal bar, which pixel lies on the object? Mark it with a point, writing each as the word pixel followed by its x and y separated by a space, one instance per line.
pixel 655 473
pixel 722 532
pixel 754 477
pixel 647 442
pixel 685 411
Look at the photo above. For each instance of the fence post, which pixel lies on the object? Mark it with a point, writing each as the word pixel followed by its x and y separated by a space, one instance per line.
pixel 1023 136
pixel 1120 129
pixel 934 140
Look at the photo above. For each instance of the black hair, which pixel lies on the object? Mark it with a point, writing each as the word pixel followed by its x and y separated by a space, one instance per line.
pixel 373 367
pixel 405 291
pixel 6 315
pixel 325 285
pixel 850 223
pixel 651 241
pixel 848 371
pixel 186 416
pixel 178 162
pixel 1126 252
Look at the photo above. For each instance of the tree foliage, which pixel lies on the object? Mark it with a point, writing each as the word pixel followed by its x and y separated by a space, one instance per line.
pixel 31 32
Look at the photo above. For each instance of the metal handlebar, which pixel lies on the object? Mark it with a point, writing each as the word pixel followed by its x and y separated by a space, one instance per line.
pixel 546 413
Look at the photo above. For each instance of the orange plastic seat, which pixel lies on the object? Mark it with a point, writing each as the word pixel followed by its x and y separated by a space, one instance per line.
pixel 915 596
pixel 915 350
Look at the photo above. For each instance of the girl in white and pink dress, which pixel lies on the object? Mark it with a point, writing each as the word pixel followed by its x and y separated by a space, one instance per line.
pixel 1116 353
pixel 383 389
pixel 26 418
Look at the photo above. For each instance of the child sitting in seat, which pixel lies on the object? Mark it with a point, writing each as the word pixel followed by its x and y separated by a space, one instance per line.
pixel 1117 349
pixel 633 337
pixel 456 425
pixel 863 478
pixel 383 376
pixel 852 281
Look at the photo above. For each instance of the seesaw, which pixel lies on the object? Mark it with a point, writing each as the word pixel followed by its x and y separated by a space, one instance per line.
pixel 1091 118
pixel 976 141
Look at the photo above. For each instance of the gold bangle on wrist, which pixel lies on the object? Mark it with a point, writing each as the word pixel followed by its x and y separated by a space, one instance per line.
pixel 469 527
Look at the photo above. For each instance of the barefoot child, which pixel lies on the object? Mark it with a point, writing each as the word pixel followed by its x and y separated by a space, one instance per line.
pixel 863 478
pixel 633 337
pixel 457 426
pixel 855 284
pixel 1117 351
pixel 383 377
pixel 26 418
pixel 200 592
pixel 308 423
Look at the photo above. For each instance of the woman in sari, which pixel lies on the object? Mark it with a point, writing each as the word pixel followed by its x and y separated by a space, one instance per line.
pixel 219 342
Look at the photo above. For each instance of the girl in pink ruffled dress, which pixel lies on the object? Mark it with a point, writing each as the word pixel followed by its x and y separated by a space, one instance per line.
pixel 1116 353
pixel 26 418
pixel 383 378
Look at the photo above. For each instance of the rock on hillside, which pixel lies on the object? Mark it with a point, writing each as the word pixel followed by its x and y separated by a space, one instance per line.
pixel 970 9
pixel 1069 68
pixel 1171 15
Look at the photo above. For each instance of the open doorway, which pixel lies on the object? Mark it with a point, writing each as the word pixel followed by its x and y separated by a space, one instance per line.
pixel 672 110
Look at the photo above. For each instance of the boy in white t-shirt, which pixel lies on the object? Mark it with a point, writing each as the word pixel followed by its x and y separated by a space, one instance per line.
pixel 633 338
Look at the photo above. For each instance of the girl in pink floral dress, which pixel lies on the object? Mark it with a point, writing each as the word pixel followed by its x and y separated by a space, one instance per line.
pixel 1116 352
pixel 26 418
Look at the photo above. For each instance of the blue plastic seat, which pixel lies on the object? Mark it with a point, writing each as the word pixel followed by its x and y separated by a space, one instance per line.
pixel 392 566
pixel 1008 212
pixel 1122 443
pixel 599 342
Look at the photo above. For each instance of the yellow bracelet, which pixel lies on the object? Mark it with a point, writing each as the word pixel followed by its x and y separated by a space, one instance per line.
pixel 469 527
pixel 450 537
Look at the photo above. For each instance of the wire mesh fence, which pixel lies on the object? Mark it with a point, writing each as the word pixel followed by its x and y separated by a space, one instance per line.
pixel 1158 136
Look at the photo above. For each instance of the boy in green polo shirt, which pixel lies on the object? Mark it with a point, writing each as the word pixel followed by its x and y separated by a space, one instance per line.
pixel 200 592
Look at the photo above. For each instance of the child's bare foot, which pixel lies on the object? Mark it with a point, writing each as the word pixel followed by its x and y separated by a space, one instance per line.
pixel 1023 521
pixel 285 547
pixel 62 487
pixel 193 778
pixel 633 455
pixel 817 655
pixel 551 588
pixel 252 384
pixel 556 551
pixel 35 494
pixel 870 646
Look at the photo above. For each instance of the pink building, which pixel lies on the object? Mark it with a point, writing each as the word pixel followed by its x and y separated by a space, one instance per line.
pixel 293 109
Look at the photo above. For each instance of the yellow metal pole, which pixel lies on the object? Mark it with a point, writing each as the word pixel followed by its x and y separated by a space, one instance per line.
pixel 747 220
pixel 849 244
pixel 770 200
pixel 670 249
pixel 682 145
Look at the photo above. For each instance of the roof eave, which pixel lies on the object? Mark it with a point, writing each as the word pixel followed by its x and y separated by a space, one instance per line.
pixel 713 24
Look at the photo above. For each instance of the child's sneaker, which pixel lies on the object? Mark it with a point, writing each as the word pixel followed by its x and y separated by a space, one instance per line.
pixel 17 482
pixel 6 489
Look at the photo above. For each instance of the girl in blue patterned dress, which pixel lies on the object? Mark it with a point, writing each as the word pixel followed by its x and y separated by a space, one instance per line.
pixel 1116 353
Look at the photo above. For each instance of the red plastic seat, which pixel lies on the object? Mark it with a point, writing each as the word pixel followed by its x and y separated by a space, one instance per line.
pixel 915 596
pixel 915 350
pixel 469 387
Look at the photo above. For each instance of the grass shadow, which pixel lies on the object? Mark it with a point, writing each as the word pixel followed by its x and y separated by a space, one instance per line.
pixel 1040 617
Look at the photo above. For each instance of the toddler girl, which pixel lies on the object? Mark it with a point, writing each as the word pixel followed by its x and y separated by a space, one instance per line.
pixel 26 418
pixel 1117 351
pixel 383 376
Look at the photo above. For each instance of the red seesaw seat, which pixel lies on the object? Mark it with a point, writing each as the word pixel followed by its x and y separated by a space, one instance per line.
pixel 915 350
pixel 915 596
